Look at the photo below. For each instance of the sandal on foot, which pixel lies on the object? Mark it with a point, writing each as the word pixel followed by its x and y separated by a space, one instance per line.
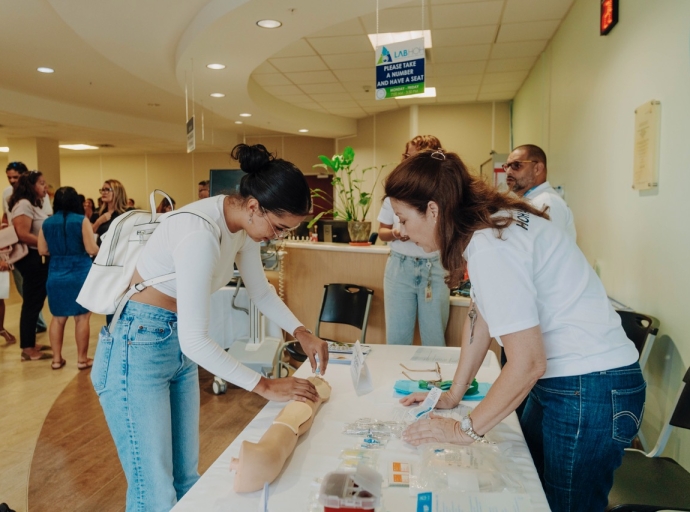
pixel 86 365
pixel 27 357
pixel 58 365
pixel 9 337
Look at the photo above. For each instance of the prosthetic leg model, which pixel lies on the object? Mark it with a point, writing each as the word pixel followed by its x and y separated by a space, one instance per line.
pixel 262 462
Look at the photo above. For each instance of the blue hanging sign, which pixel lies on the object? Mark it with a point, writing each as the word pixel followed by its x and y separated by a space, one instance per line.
pixel 400 69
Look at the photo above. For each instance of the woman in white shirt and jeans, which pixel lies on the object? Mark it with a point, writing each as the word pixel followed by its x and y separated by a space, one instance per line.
pixel 533 291
pixel 146 374
pixel 413 284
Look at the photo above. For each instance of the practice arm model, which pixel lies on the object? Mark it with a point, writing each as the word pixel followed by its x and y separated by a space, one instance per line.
pixel 262 462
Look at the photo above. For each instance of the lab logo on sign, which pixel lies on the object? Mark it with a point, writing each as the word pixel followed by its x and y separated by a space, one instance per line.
pixel 385 56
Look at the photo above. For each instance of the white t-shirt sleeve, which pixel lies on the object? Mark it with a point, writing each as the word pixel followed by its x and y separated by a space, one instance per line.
pixel 251 269
pixel 195 257
pixel 503 288
pixel 386 215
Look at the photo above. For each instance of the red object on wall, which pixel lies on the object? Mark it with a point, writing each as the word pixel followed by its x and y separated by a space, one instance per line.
pixel 608 17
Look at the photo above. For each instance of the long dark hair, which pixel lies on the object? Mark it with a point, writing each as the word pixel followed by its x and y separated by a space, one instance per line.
pixel 278 185
pixel 67 201
pixel 466 204
pixel 26 189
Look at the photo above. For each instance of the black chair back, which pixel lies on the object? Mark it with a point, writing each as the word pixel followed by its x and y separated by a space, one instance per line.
pixel 681 414
pixel 638 327
pixel 345 304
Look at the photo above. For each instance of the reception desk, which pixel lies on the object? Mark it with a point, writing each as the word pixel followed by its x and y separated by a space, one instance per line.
pixel 309 266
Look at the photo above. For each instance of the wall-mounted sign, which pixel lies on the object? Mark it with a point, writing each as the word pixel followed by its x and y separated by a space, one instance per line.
pixel 646 149
pixel 608 17
pixel 191 138
pixel 400 69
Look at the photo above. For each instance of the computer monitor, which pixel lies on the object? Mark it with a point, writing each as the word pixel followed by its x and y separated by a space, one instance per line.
pixel 225 181
pixel 333 231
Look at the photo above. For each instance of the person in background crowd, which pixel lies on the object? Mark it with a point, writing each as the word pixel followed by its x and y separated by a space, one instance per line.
pixel 89 210
pixel 413 286
pixel 147 377
pixel 534 292
pixel 130 204
pixel 27 216
pixel 204 189
pixel 67 238
pixel 526 176
pixel 113 203
pixel 9 337
pixel 164 206
pixel 13 171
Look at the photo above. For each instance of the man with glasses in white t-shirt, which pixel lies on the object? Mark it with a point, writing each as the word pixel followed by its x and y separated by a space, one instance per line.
pixel 526 176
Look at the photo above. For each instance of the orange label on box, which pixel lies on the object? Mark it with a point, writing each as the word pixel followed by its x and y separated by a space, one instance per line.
pixel 401 478
pixel 401 467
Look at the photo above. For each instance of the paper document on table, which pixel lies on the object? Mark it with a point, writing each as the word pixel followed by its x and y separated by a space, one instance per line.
pixel 441 356
pixel 450 501
pixel 435 355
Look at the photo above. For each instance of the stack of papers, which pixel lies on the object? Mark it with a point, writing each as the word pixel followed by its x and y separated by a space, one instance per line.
pixel 341 353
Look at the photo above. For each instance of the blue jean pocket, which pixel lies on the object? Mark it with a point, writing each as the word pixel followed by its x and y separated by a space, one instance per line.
pixel 628 408
pixel 150 332
pixel 99 371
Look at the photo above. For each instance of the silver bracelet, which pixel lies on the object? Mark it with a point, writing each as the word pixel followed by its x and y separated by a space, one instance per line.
pixel 466 427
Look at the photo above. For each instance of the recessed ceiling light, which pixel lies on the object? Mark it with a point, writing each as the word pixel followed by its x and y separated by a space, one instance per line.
pixel 4 149
pixel 45 70
pixel 245 115
pixel 398 37
pixel 217 95
pixel 215 66
pixel 429 92
pixel 269 23
pixel 238 122
pixel 77 147
pixel 303 130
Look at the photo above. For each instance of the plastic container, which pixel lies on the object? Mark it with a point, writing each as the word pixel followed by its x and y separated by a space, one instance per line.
pixel 351 492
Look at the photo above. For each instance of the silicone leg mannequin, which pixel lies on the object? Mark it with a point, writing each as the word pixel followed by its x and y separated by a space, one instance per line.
pixel 262 462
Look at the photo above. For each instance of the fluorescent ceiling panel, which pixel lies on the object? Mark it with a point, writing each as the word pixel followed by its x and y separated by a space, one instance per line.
pixel 399 37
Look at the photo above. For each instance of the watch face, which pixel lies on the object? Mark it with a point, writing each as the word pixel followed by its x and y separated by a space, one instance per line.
pixel 465 424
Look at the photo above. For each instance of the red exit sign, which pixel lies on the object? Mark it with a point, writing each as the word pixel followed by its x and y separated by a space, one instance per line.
pixel 608 17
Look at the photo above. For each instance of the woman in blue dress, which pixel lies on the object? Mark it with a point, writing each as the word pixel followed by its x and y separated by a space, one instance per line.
pixel 68 238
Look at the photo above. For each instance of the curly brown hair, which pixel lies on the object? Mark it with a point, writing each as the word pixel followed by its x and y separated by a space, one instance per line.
pixel 466 203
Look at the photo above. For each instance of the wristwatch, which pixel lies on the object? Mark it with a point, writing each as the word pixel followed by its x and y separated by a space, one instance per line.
pixel 466 427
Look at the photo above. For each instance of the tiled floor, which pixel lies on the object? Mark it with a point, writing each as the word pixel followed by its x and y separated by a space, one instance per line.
pixel 27 392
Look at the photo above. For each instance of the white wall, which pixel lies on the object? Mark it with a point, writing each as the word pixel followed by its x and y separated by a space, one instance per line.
pixel 578 103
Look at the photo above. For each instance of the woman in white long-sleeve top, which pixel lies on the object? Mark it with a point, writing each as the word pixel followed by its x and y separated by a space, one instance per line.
pixel 146 375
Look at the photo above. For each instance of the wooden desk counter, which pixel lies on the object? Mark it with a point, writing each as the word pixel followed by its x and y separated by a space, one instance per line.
pixel 309 266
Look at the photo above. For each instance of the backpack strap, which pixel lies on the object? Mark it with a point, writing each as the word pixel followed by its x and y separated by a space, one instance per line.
pixel 140 287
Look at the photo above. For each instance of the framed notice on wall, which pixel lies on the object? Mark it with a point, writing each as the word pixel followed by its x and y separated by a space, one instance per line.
pixel 646 149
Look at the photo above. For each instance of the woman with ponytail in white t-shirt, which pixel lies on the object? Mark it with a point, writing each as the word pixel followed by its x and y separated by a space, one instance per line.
pixel 534 291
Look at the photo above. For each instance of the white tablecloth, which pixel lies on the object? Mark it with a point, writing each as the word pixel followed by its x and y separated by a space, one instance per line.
pixel 318 450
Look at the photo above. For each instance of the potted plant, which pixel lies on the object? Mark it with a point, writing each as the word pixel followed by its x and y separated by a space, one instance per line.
pixel 352 201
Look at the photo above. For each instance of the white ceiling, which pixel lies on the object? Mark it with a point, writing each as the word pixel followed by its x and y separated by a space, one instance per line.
pixel 122 67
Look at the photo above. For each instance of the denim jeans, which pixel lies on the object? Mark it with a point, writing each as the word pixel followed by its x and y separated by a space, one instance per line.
pixel 404 287
pixel 149 392
pixel 577 428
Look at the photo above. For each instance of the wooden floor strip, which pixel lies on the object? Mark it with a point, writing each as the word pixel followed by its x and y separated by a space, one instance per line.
pixel 75 464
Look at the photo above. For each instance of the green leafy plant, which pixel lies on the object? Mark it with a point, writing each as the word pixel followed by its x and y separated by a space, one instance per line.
pixel 353 201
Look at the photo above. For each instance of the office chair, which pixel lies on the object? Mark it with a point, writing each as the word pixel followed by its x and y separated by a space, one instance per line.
pixel 641 330
pixel 342 304
pixel 646 482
